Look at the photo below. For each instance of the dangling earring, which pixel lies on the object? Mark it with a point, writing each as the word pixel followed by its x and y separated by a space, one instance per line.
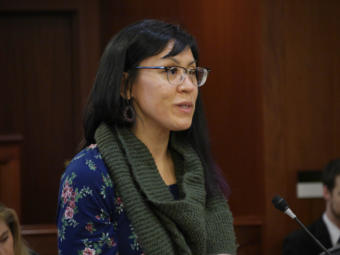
pixel 129 114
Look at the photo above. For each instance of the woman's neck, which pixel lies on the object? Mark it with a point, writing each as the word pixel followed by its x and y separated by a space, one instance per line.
pixel 156 140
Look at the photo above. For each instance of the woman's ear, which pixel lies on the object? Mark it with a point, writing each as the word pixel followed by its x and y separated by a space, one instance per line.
pixel 125 92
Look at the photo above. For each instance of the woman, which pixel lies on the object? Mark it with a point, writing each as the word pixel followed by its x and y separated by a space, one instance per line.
pixel 146 182
pixel 10 236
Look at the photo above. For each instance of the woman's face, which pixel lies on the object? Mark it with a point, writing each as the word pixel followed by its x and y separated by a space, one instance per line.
pixel 159 105
pixel 6 240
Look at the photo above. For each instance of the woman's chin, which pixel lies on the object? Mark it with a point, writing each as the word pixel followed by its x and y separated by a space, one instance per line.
pixel 182 126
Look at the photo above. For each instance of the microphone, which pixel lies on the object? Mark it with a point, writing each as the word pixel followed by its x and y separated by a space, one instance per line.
pixel 282 205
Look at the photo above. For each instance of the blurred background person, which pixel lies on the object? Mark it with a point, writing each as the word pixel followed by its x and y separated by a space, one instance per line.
pixel 327 228
pixel 11 242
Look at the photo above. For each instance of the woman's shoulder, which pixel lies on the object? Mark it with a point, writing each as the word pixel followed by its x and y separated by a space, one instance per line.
pixel 87 166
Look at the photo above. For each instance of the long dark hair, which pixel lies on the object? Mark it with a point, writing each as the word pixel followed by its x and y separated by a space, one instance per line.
pixel 123 53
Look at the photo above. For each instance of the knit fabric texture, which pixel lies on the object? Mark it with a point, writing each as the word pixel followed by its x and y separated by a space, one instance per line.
pixel 192 224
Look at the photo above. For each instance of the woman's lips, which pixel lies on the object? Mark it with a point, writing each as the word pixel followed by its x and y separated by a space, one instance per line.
pixel 185 107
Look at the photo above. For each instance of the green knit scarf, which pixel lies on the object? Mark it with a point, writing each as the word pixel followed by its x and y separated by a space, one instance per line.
pixel 163 225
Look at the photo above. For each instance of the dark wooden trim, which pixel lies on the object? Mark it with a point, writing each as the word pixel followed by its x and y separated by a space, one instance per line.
pixel 11 138
pixel 39 229
pixel 247 220
pixel 248 230
pixel 41 238
pixel 40 5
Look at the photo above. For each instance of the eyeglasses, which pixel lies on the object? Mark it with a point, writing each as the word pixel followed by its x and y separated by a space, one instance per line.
pixel 177 74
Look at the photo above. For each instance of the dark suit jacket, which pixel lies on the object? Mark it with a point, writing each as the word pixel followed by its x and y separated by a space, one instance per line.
pixel 300 243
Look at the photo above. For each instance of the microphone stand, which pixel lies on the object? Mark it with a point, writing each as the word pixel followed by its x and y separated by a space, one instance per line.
pixel 312 236
pixel 282 205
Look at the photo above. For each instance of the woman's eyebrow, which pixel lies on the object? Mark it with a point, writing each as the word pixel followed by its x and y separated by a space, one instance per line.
pixel 192 62
pixel 176 61
pixel 171 58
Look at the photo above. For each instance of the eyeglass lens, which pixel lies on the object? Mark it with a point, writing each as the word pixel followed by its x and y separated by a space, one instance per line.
pixel 176 75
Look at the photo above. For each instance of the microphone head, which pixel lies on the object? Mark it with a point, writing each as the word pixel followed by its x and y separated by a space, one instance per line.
pixel 280 203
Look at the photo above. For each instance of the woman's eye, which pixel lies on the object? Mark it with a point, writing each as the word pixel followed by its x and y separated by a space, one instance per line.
pixel 192 72
pixel 3 239
pixel 173 70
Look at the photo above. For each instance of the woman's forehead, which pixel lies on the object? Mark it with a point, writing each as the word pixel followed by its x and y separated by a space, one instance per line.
pixel 184 56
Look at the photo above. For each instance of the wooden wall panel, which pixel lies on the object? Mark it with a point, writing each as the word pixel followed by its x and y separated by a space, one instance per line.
pixel 301 93
pixel 274 135
pixel 49 53
pixel 39 78
pixel 117 14
pixel 228 33
pixel 309 91
pixel 10 171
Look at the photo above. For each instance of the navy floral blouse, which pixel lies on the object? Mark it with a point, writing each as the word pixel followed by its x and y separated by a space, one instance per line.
pixel 91 218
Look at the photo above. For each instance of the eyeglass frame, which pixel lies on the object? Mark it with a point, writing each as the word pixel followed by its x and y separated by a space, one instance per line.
pixel 167 69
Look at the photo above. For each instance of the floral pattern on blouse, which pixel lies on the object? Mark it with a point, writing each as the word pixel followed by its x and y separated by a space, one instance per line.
pixel 91 218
